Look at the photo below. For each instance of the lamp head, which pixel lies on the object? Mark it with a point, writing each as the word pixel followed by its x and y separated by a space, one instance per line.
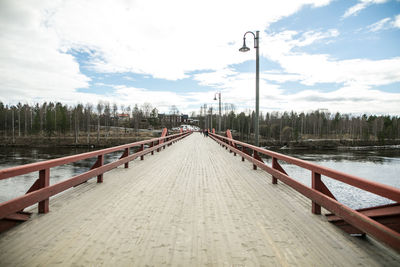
pixel 244 48
pixel 215 98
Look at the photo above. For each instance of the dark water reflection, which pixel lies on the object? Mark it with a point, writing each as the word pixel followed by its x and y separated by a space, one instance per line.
pixel 381 166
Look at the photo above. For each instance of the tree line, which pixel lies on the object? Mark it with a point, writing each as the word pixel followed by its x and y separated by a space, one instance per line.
pixel 294 126
pixel 104 119
pixel 56 119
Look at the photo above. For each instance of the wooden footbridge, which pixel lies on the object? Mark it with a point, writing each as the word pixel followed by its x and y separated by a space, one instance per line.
pixel 189 200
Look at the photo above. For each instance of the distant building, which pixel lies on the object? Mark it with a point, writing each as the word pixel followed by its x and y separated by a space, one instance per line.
pixel 169 119
pixel 123 116
pixel 174 120
pixel 184 118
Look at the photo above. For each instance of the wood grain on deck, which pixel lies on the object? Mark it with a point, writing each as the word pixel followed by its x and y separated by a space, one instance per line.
pixel 193 204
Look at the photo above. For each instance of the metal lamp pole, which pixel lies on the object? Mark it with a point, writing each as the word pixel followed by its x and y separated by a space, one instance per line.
pixel 205 117
pixel 219 119
pixel 211 120
pixel 245 49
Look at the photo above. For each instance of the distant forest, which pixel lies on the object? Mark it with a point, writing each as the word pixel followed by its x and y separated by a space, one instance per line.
pixel 57 119
pixel 319 124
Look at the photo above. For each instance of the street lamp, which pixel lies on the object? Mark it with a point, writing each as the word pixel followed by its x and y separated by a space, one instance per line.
pixel 211 120
pixel 244 48
pixel 205 117
pixel 219 119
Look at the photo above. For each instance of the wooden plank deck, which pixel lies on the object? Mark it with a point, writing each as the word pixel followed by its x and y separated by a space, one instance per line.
pixel 193 204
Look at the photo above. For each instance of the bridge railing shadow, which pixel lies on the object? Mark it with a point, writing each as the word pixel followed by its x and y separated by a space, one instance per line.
pixel 382 222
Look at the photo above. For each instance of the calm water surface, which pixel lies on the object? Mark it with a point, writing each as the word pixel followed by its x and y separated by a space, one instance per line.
pixel 17 186
pixel 382 166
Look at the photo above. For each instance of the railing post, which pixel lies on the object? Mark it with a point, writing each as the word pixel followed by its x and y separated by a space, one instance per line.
pixel 255 157
pixel 44 181
pixel 158 142
pixel 274 166
pixel 126 154
pixel 100 162
pixel 316 184
pixel 243 152
pixel 141 149
pixel 152 144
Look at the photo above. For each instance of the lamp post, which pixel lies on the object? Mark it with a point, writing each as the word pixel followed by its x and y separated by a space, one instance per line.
pixel 219 119
pixel 244 48
pixel 211 120
pixel 205 117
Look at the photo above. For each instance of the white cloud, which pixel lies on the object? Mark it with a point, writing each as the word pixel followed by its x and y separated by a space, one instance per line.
pixel 323 69
pixel 396 21
pixel 276 45
pixel 280 76
pixel 146 37
pixel 354 10
pixel 384 24
pixel 160 99
pixel 380 25
pixel 165 39
pixel 349 98
pixel 357 78
pixel 168 39
pixel 312 69
pixel 31 64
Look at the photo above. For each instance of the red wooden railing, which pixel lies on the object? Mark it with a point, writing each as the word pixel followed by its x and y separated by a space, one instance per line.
pixel 363 221
pixel 12 210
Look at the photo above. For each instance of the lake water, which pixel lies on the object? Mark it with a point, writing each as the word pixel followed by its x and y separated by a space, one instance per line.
pixel 17 186
pixel 382 166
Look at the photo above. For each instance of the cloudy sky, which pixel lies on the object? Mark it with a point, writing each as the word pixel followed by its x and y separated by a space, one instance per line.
pixel 338 55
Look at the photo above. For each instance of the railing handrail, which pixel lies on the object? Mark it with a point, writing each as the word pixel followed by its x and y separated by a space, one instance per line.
pixel 319 194
pixel 383 190
pixel 36 166
pixel 41 190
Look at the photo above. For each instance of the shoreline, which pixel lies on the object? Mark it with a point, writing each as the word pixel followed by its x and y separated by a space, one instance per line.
pixel 328 144
pixel 110 141
pixel 65 142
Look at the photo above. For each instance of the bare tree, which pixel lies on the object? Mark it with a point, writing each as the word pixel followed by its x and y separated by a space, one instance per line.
pixel 77 112
pixel 26 119
pixel 5 122
pixel 128 112
pixel 88 111
pixel 136 114
pixel 99 111
pixel 115 114
pixel 146 107
pixel 174 111
pixel 19 107
pixel 12 122
pixel 107 116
